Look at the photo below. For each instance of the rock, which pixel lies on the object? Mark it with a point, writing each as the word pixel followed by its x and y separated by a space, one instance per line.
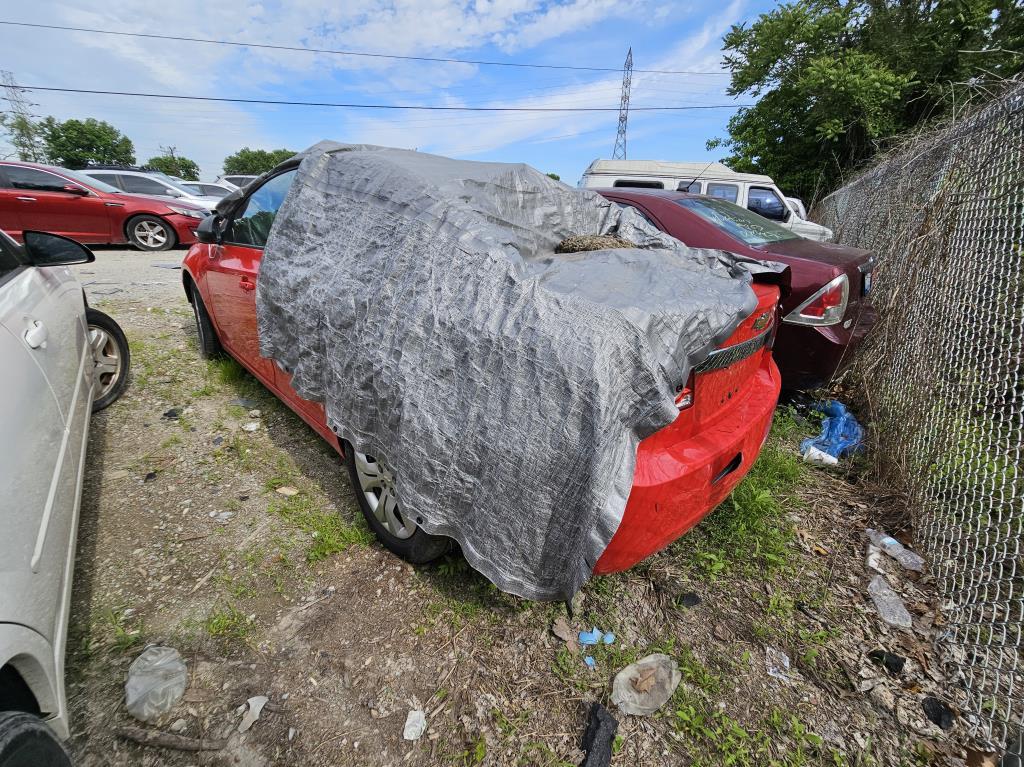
pixel 173 414
pixel 892 662
pixel 156 682
pixel 688 599
pixel 224 516
pixel 218 441
pixel 256 704
pixel 415 725
pixel 254 413
pixel 150 476
pixel 291 734
pixel 251 426
pixel 287 491
pixel 636 690
pixel 882 697
pixel 179 725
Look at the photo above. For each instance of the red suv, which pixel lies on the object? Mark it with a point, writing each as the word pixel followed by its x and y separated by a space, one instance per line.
pixel 824 317
pixel 682 471
pixel 61 201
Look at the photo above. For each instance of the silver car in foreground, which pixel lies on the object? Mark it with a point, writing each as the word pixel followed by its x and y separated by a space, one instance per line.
pixel 62 361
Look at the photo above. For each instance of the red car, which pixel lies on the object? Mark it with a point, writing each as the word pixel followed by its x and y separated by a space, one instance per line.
pixel 61 201
pixel 823 318
pixel 682 472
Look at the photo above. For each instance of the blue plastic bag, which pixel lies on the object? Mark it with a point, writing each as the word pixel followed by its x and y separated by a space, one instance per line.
pixel 840 433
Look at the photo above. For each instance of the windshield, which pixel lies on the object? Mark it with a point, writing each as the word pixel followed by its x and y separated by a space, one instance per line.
pixel 89 181
pixel 169 181
pixel 736 221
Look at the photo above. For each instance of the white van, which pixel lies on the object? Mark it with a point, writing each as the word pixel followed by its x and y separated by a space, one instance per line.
pixel 755 192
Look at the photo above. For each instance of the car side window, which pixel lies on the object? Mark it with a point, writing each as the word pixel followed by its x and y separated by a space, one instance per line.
pixel 143 185
pixel 767 203
pixel 30 178
pixel 638 184
pixel 723 191
pixel 253 226
pixel 109 178
pixel 693 187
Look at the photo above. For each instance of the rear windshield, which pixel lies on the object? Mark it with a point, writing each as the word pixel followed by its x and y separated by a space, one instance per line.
pixel 736 221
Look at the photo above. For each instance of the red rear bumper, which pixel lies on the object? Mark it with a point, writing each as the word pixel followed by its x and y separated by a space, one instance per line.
pixel 675 485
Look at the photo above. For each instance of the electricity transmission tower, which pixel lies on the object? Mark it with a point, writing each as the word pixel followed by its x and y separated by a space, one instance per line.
pixel 19 120
pixel 619 153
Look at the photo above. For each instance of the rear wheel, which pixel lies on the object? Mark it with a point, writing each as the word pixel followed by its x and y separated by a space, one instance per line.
pixel 151 233
pixel 111 355
pixel 374 485
pixel 26 741
pixel 209 344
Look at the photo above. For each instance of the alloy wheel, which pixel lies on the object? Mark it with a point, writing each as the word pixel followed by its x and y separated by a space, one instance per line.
pixel 151 234
pixel 107 358
pixel 378 486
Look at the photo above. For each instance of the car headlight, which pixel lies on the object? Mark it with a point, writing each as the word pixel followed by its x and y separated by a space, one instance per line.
pixel 189 212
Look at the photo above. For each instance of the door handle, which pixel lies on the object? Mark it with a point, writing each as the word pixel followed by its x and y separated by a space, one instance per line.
pixel 25 199
pixel 36 335
pixel 247 284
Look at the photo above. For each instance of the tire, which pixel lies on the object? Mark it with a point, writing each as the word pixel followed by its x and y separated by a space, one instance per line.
pixel 112 356
pixel 26 741
pixel 412 544
pixel 151 233
pixel 209 344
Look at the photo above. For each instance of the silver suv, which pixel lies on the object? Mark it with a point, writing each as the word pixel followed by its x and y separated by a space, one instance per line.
pixel 152 183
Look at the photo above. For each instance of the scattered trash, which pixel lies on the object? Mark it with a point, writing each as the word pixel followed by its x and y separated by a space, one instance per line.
pixel 415 725
pixel 287 490
pixel 608 638
pixel 150 476
pixel 595 636
pixel 777 664
pixel 892 662
pixel 599 737
pixel 888 603
pixel 561 629
pixel 814 455
pixel 688 599
pixel 178 725
pixel 938 712
pixel 256 704
pixel 840 433
pixel 873 560
pixel 590 662
pixel 156 681
pixel 255 413
pixel 251 426
pixel 896 550
pixel 291 734
pixel 224 516
pixel 173 414
pixel 658 685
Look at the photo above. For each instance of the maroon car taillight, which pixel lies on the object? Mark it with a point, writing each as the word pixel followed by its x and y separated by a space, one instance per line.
pixel 826 307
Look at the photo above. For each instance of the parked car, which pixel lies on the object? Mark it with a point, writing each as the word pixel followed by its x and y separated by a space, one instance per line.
pixel 152 183
pixel 206 189
pixel 797 206
pixel 235 180
pixel 65 202
pixel 749 190
pixel 823 319
pixel 64 361
pixel 682 472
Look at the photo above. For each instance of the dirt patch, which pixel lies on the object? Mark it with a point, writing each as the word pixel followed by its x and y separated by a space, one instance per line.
pixel 191 536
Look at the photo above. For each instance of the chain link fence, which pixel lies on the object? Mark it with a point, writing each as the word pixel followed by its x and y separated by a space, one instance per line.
pixel 943 374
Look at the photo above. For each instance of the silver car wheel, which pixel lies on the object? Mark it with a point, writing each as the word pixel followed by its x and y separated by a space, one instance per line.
pixel 107 358
pixel 378 485
pixel 150 233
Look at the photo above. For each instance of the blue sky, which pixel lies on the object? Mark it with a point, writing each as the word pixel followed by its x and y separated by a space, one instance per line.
pixel 677 36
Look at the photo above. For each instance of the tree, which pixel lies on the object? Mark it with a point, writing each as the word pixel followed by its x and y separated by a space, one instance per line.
pixel 252 162
pixel 555 176
pixel 78 143
pixel 25 135
pixel 836 78
pixel 173 164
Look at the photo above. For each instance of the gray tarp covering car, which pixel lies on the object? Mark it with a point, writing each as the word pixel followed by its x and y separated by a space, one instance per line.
pixel 421 301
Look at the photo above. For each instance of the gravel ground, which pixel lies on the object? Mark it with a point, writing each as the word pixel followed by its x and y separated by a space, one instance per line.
pixel 245 551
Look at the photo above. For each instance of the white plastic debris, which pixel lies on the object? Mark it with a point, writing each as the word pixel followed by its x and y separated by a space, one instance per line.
pixel 251 426
pixel 888 603
pixel 643 687
pixel 896 550
pixel 256 704
pixel 814 455
pixel 776 663
pixel 415 725
pixel 156 682
pixel 873 560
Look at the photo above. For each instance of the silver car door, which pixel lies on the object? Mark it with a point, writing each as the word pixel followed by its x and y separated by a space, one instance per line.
pixel 45 414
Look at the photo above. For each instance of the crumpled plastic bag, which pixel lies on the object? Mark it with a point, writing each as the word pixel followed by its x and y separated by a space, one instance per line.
pixel 156 682
pixel 841 434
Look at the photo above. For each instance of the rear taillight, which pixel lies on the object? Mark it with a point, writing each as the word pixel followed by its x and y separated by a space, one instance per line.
pixel 826 307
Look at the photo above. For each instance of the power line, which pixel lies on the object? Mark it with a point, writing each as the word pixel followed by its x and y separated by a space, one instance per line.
pixel 305 49
pixel 341 105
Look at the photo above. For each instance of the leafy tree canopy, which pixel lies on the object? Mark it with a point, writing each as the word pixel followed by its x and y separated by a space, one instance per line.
pixel 173 164
pixel 835 78
pixel 78 143
pixel 248 161
pixel 25 136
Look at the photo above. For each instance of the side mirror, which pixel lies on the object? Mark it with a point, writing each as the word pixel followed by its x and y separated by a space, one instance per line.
pixel 211 229
pixel 771 212
pixel 45 249
pixel 74 189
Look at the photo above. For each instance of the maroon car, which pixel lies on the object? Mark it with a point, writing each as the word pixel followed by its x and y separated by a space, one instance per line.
pixel 57 200
pixel 824 317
